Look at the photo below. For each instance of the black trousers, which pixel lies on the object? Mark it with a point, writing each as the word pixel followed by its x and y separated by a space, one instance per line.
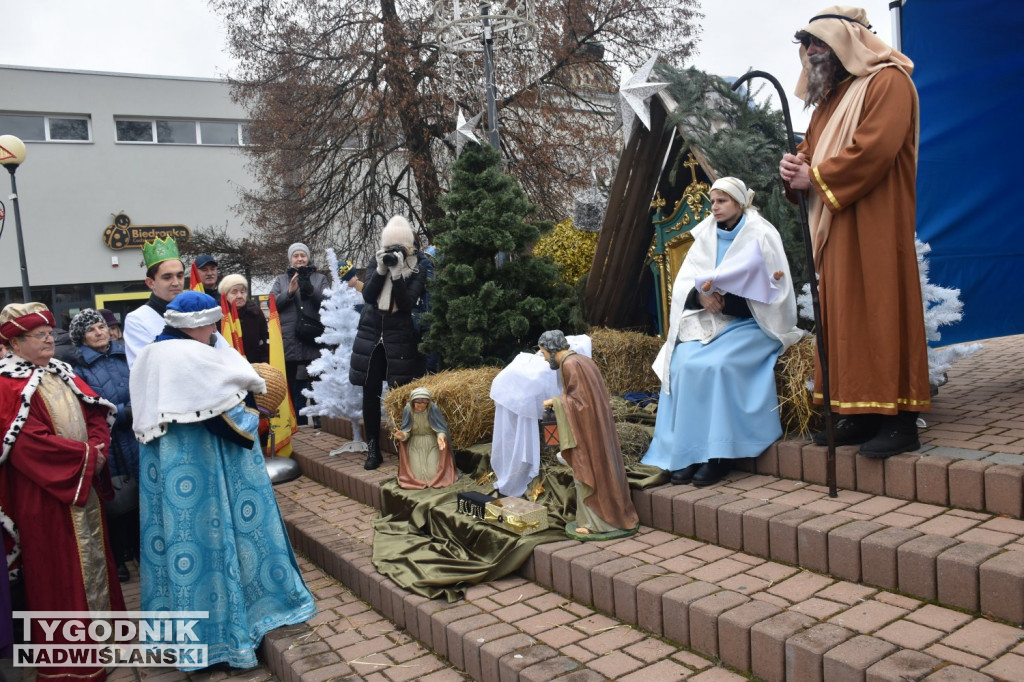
pixel 295 385
pixel 376 375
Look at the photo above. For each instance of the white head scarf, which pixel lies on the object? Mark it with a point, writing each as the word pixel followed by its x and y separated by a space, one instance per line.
pixel 736 189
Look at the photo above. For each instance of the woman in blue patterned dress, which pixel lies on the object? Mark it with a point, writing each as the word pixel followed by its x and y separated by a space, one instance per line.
pixel 212 535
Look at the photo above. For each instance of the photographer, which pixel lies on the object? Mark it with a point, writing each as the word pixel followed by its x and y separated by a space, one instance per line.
pixel 298 292
pixel 386 344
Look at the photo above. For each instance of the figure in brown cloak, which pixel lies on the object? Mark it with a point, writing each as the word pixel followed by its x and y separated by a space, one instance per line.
pixel 859 161
pixel 424 445
pixel 589 444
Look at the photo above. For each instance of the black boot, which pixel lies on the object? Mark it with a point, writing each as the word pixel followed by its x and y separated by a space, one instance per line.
pixel 684 475
pixel 711 472
pixel 852 429
pixel 896 433
pixel 373 456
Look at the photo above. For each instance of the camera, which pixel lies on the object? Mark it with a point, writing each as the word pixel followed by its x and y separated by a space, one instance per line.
pixel 393 254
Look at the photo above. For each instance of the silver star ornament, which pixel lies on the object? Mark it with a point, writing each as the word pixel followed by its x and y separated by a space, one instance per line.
pixel 634 94
pixel 464 132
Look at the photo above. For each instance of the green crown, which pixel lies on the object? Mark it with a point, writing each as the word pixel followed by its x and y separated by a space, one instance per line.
pixel 159 250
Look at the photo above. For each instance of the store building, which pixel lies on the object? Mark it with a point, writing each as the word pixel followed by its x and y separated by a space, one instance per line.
pixel 113 159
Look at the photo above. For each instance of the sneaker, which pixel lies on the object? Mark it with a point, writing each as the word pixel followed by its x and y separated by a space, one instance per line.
pixel 684 475
pixel 711 472
pixel 896 434
pixel 852 429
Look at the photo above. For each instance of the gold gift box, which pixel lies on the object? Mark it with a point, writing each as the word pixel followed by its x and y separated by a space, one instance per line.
pixel 517 515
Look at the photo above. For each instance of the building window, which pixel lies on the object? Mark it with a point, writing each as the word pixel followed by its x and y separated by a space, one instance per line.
pixel 219 133
pixel 176 132
pixel 166 131
pixel 134 131
pixel 42 128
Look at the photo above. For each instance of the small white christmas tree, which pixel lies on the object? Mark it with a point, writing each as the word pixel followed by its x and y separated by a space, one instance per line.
pixel 332 392
pixel 942 306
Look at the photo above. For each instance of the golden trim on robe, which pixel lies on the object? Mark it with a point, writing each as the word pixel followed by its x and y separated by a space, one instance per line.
pixel 824 188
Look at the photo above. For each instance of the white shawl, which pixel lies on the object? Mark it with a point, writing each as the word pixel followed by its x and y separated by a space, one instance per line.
pixel 185 381
pixel 776 319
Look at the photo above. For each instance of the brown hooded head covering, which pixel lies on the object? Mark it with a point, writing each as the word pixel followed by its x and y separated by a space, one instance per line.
pixel 847 31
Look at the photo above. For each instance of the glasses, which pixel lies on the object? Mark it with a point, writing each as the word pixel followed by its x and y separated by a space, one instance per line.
pixel 807 41
pixel 40 335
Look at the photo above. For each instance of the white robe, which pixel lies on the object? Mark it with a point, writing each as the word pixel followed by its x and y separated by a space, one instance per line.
pixel 776 319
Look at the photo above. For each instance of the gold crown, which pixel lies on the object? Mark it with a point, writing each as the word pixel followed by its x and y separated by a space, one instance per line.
pixel 159 250
pixel 344 268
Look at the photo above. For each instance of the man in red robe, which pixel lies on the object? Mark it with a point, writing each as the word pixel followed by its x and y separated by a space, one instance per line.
pixel 52 477
pixel 589 444
pixel 859 159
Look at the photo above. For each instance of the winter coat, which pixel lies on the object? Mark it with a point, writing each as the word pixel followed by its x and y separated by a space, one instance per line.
pixel 107 374
pixel 395 330
pixel 312 295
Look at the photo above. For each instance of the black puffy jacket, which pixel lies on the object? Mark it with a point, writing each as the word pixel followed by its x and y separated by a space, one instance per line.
pixel 395 330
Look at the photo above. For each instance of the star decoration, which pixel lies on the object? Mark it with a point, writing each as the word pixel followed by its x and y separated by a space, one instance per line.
pixel 464 132
pixel 633 95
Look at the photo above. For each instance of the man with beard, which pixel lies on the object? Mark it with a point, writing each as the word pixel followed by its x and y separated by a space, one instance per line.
pixel 589 444
pixel 859 158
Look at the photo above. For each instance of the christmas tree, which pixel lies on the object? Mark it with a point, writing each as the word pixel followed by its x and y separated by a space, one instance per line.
pixel 490 299
pixel 332 392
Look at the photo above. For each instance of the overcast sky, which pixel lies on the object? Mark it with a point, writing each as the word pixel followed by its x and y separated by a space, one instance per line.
pixel 184 38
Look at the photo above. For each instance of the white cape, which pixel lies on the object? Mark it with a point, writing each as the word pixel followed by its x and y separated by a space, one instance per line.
pixel 185 381
pixel 776 319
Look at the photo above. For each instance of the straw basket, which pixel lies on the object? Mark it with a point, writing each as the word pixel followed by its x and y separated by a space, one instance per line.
pixel 277 387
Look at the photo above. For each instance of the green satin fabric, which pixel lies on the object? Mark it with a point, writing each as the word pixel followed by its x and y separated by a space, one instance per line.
pixel 423 544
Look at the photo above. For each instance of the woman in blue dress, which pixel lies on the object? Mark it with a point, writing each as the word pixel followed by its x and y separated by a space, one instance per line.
pixel 212 536
pixel 718 397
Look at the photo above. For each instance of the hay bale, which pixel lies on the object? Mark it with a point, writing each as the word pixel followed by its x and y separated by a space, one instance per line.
pixel 794 369
pixel 625 358
pixel 464 398
pixel 634 439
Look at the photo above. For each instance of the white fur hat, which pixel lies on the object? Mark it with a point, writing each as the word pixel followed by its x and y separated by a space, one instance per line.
pixel 230 281
pixel 398 231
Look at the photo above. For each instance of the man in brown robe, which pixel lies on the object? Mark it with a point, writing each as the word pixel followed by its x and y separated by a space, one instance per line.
pixel 859 158
pixel 589 444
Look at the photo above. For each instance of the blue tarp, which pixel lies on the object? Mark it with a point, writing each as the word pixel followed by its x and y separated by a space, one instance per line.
pixel 969 71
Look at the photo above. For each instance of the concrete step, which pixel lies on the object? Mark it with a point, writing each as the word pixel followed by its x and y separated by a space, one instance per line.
pixel 974 480
pixel 962 559
pixel 510 629
pixel 757 616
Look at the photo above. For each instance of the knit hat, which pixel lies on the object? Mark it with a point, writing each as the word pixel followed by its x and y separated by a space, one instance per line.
pixel 736 189
pixel 231 281
pixel 191 309
pixel 18 318
pixel 398 231
pixel 110 317
pixel 81 322
pixel 297 246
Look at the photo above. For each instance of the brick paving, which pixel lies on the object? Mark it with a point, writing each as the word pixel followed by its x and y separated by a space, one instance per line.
pixel 717 581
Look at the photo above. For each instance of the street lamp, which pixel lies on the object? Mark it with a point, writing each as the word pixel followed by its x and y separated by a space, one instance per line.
pixel 12 155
